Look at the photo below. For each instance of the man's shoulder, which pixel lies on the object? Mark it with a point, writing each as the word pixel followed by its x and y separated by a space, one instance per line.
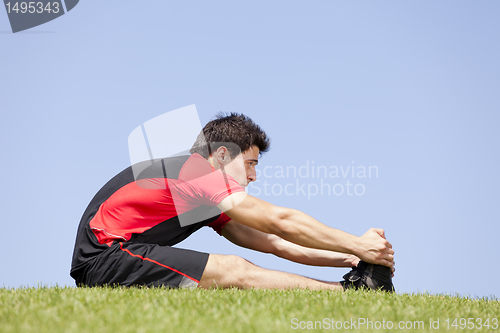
pixel 169 167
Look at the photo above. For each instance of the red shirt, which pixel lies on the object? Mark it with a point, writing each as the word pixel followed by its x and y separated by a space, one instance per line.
pixel 145 203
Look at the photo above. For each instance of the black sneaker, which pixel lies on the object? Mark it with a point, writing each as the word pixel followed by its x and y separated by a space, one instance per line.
pixel 368 276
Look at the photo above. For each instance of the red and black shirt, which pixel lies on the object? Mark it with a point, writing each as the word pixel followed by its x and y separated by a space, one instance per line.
pixel 163 204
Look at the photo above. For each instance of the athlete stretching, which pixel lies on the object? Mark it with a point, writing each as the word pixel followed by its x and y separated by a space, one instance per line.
pixel 127 232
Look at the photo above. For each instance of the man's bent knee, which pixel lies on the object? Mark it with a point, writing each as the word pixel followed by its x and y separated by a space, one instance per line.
pixel 226 271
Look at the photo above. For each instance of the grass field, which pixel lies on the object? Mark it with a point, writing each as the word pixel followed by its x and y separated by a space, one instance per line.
pixel 109 310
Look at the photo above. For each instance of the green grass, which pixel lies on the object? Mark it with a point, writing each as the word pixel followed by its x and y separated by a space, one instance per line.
pixel 110 310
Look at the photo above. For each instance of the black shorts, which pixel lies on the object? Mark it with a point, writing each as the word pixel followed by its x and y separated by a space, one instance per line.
pixel 138 264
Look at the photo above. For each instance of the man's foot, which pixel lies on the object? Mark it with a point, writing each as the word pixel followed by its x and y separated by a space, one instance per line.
pixel 368 276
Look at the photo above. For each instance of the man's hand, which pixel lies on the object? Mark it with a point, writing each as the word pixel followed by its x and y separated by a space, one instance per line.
pixel 375 249
pixel 353 261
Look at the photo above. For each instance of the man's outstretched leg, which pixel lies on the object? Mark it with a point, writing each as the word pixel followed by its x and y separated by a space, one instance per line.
pixel 232 271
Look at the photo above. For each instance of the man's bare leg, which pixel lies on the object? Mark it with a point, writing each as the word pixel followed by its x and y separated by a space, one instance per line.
pixel 232 271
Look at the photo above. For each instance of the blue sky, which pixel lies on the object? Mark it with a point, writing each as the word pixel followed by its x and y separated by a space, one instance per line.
pixel 411 88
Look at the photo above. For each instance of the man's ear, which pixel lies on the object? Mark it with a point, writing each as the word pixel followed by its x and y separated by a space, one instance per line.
pixel 222 155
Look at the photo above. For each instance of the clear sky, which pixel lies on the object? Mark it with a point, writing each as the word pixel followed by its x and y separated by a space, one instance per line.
pixel 410 89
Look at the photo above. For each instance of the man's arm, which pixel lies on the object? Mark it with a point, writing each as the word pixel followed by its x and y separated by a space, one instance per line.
pixel 253 239
pixel 300 228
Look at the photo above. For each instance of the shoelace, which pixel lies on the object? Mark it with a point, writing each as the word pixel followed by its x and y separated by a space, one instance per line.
pixel 356 273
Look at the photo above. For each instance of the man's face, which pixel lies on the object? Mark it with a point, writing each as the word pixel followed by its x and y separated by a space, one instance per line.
pixel 242 167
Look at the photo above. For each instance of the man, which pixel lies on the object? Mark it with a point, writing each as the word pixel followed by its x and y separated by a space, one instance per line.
pixel 127 232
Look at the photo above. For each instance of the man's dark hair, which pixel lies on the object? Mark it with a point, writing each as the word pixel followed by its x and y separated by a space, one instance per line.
pixel 230 128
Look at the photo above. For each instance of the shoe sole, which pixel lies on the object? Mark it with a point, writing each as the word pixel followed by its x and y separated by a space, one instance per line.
pixel 377 276
pixel 369 276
